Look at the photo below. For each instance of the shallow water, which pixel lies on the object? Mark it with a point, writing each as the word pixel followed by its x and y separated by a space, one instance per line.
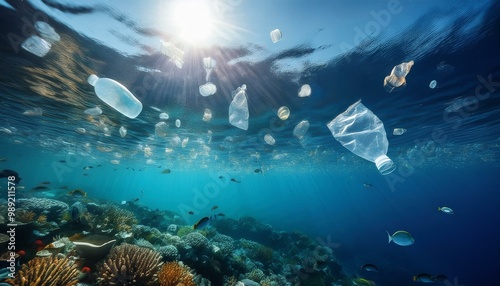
pixel 449 155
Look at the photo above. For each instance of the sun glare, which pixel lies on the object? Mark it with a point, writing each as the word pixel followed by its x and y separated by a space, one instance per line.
pixel 193 19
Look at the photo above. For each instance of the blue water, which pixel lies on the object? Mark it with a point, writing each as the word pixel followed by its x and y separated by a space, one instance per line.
pixel 448 157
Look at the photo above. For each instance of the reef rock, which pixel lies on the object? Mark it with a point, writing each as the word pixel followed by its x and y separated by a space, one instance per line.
pixel 52 208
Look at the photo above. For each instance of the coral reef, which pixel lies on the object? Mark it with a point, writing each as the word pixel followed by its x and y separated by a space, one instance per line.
pixel 130 265
pixel 25 216
pixel 53 209
pixel 175 273
pixel 52 271
pixel 196 240
pixel 224 243
pixel 169 252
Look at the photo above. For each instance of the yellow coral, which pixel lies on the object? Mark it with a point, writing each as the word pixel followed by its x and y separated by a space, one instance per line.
pixel 174 273
pixel 42 219
pixel 46 271
pixel 25 216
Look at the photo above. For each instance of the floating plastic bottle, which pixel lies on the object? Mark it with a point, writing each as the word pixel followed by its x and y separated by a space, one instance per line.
pixel 174 53
pixel 116 95
pixel 208 89
pixel 207 115
pixel 283 113
pixel 81 130
pixel 36 46
pixel 361 132
pixel 47 32
pixel 397 79
pixel 398 131
pixel 238 109
pixel 164 116
pixel 93 111
pixel 161 129
pixel 433 84
pixel 275 35
pixel 209 64
pixel 177 123
pixel 301 129
pixel 123 132
pixel 269 139
pixel 305 90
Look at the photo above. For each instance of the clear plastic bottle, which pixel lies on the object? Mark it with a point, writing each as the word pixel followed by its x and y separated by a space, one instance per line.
pixel 116 95
pixel 238 109
pixel 362 133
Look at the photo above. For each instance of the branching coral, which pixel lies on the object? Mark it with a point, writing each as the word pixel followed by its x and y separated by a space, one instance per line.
pixel 174 273
pixel 51 271
pixel 131 265
pixel 25 216
pixel 119 219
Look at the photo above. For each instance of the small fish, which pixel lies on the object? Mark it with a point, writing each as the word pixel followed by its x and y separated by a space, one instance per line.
pixel 45 183
pixel 40 188
pixel 363 282
pixel 190 212
pixel 366 185
pixel 423 277
pixel 234 180
pixel 8 173
pixel 446 210
pixel 98 166
pixel 215 207
pixel 221 177
pixel 3 159
pixel 133 169
pixel 369 267
pixel 258 170
pixel 166 171
pixel 62 161
pixel 85 174
pixel 221 214
pixel 77 193
pixel 202 223
pixel 401 238
pixel 135 200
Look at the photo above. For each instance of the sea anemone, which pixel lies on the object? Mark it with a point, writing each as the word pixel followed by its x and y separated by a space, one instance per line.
pixel 52 271
pixel 129 264
pixel 175 273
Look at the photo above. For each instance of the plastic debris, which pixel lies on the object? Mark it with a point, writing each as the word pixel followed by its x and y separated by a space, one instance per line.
pixel 208 89
pixel 115 162
pixel 269 139
pixel 398 131
pixel 81 130
pixel 276 35
pixel 175 54
pixel 305 90
pixel 93 111
pixel 238 109
pixel 207 115
pixel 161 129
pixel 47 32
pixel 123 131
pixel 37 111
pixel 209 64
pixel 184 142
pixel 36 46
pixel 433 84
pixel 164 116
pixel 397 79
pixel 177 123
pixel 283 113
pixel 116 95
pixel 301 129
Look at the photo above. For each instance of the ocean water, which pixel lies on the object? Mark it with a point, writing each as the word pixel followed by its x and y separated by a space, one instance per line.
pixel 449 155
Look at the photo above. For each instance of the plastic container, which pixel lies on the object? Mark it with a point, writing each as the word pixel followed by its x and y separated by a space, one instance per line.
pixel 116 95
pixel 238 109
pixel 361 132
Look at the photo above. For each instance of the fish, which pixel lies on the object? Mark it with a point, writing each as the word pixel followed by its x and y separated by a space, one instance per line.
pixel 401 238
pixel 214 208
pixel 9 173
pixel 204 222
pixel 221 177
pixel 370 267
pixel 98 166
pixel 40 188
pixel 3 159
pixel 85 174
pixel 221 214
pixel 62 161
pixel 366 185
pixel 234 180
pixel 166 171
pixel 258 170
pixel 45 183
pixel 77 193
pixel 423 277
pixel 190 212
pixel 135 200
pixel 446 210
pixel 363 282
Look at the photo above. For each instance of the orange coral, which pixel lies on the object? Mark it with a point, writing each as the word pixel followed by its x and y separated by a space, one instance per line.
pixel 46 271
pixel 174 273
pixel 42 219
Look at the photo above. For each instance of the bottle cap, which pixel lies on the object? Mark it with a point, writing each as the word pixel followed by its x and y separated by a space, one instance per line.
pixel 385 165
pixel 92 79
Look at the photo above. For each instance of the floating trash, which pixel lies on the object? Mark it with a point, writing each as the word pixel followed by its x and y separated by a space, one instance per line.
pixel 177 123
pixel 275 35
pixel 161 129
pixel 238 110
pixel 116 95
pixel 207 115
pixel 398 131
pixel 81 130
pixel 184 142
pixel 209 64
pixel 115 162
pixel 175 54
pixel 305 90
pixel 37 111
pixel 164 116
pixel 269 139
pixel 93 111
pixel 207 89
pixel 47 32
pixel 123 131
pixel 300 129
pixel 397 79
pixel 433 84
pixel 36 46
pixel 283 113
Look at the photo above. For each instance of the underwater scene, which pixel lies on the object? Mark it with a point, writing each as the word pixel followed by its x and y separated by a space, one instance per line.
pixel 250 142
